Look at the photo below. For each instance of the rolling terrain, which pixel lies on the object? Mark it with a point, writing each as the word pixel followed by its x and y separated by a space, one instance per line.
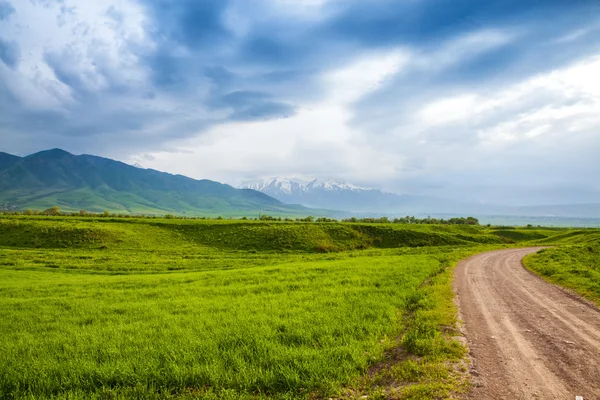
pixel 157 308
pixel 110 308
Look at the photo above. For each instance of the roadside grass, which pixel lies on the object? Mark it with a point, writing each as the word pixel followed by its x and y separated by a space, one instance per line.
pixel 177 309
pixel 576 267
pixel 428 361
pixel 290 331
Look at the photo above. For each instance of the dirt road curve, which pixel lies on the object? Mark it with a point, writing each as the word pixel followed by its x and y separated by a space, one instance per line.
pixel 528 339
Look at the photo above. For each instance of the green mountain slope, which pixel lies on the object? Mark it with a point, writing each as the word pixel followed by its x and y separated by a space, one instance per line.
pixel 6 160
pixel 56 177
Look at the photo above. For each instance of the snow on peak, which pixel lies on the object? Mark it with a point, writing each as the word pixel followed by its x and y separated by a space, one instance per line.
pixel 290 186
pixel 284 185
pixel 332 184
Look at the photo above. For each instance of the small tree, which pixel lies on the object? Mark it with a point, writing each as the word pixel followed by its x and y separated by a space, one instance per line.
pixel 106 213
pixel 82 213
pixel 472 221
pixel 52 211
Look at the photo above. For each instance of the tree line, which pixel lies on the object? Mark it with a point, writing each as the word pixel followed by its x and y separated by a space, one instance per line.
pixel 414 220
pixel 56 211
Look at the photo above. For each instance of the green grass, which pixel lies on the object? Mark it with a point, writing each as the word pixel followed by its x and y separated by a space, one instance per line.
pixel 161 309
pixel 576 267
pixel 57 232
pixel 280 331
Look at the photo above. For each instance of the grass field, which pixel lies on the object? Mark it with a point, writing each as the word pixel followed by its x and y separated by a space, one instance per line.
pixel 111 309
pixel 576 267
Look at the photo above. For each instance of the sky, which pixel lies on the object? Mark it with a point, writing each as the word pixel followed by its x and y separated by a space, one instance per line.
pixel 494 101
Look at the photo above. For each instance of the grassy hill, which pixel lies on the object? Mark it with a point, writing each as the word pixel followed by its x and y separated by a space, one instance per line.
pixel 55 177
pixel 575 266
pixel 145 308
pixel 257 236
pixel 260 236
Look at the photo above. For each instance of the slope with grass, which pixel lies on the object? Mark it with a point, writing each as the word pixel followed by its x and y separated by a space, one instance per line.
pixel 180 309
pixel 536 236
pixel 576 267
pixel 56 177
pixel 570 260
pixel 109 308
pixel 40 231
pixel 284 331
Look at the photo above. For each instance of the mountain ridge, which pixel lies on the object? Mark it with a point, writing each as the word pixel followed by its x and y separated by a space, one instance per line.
pixel 341 195
pixel 344 196
pixel 57 177
pixel 289 185
pixel 7 160
pixel 73 182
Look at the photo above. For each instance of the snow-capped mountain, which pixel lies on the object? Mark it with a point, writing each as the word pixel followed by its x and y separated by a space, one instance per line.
pixel 283 186
pixel 331 184
pixel 334 195
pixel 290 187
pixel 337 195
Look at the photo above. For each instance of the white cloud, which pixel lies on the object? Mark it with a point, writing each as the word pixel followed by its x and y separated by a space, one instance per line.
pixel 364 121
pixel 364 75
pixel 90 40
pixel 459 49
pixel 317 141
pixel 554 112
pixel 526 110
pixel 448 110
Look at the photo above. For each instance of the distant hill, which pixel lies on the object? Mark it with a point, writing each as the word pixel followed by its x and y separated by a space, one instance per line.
pixel 56 177
pixel 344 196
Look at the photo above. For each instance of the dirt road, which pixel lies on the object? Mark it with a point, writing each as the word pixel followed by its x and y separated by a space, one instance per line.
pixel 528 339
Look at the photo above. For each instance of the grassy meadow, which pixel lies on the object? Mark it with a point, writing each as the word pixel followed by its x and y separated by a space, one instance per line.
pixel 576 267
pixel 178 309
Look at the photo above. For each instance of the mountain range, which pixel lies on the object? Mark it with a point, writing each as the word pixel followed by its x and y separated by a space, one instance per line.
pixel 340 195
pixel 73 182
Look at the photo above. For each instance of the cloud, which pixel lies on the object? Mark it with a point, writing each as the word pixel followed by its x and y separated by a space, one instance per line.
pixel 404 95
pixel 9 53
pixel 6 10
